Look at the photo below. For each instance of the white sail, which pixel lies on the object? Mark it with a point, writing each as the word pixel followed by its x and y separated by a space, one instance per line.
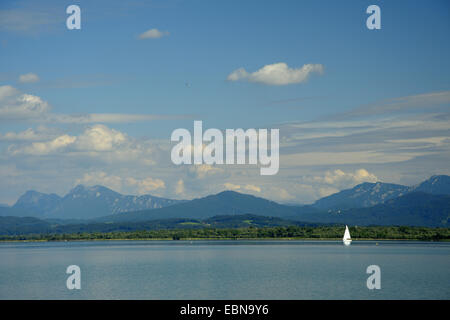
pixel 347 239
pixel 346 234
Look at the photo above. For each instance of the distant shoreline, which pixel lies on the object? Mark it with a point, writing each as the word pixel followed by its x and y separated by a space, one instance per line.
pixel 226 239
pixel 330 233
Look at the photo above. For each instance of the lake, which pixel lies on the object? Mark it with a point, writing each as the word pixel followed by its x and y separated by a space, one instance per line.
pixel 225 270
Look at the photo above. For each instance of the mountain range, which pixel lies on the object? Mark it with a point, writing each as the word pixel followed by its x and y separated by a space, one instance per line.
pixel 370 194
pixel 411 209
pixel 426 204
pixel 85 203
pixel 223 203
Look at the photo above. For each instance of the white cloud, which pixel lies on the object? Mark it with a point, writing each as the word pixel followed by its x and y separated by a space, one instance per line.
pixel 28 78
pixel 146 185
pixel 43 148
pixel 204 170
pixel 248 187
pixel 339 179
pixel 100 138
pixel 17 105
pixel 238 74
pixel 231 186
pixel 153 34
pixel 277 74
pixel 252 187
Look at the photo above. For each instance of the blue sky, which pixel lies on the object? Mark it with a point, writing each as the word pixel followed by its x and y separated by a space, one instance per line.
pixel 401 71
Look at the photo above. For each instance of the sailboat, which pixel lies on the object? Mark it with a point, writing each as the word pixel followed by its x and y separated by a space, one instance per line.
pixel 346 239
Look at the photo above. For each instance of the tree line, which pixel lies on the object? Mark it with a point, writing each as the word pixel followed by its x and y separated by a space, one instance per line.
pixel 285 232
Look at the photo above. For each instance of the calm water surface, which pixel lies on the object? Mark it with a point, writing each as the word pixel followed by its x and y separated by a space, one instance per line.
pixel 224 270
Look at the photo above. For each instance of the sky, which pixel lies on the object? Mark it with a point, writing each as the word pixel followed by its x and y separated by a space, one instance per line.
pixel 98 105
